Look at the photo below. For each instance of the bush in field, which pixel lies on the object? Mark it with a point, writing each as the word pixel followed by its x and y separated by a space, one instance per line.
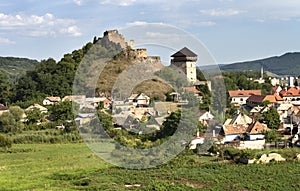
pixel 5 142
pixel 235 154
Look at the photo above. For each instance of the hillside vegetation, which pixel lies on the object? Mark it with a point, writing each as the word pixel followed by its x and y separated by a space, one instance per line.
pixel 15 67
pixel 287 64
pixel 27 81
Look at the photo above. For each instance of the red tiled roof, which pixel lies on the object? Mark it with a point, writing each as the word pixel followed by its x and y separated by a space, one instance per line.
pixel 270 98
pixel 243 93
pixel 53 99
pixel 106 101
pixel 293 91
pixel 234 129
pixel 256 99
pixel 191 89
pixel 253 128
pixel 257 128
pixel 277 97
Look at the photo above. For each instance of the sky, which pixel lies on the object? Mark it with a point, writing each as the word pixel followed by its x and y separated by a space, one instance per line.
pixel 231 30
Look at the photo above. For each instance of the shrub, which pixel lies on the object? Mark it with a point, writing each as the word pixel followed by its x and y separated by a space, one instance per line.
pixel 5 142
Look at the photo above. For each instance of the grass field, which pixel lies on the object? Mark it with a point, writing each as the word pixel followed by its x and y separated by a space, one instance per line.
pixel 75 167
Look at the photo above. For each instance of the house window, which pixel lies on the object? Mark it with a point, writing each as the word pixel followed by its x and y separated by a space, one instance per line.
pixel 241 99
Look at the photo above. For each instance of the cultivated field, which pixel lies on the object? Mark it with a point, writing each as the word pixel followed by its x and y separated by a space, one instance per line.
pixel 75 167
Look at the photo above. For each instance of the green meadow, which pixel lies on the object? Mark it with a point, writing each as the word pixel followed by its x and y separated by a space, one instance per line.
pixel 75 167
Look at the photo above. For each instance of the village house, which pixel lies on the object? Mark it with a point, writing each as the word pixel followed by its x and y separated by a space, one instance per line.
pixel 3 109
pixel 282 110
pixel 294 114
pixel 260 100
pixel 94 102
pixel 239 97
pixel 177 97
pixel 291 94
pixel 51 100
pixel 259 110
pixel 84 118
pixel 79 99
pixel 75 98
pixel 139 100
pixel 276 89
pixel 239 119
pixel 204 117
pixel 247 134
pixel 37 106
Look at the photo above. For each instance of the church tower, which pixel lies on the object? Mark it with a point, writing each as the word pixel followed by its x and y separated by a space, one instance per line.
pixel 262 72
pixel 186 60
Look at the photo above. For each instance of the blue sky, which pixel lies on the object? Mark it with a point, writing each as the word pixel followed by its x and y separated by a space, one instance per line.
pixel 232 30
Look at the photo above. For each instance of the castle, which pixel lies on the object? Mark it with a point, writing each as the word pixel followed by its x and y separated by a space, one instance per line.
pixel 184 59
pixel 113 39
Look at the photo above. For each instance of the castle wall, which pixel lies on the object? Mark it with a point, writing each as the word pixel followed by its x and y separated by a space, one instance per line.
pixel 113 36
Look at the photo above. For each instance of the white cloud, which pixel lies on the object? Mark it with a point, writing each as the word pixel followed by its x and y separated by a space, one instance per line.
pixel 78 2
pixel 6 41
pixel 140 23
pixel 221 12
pixel 72 30
pixel 119 2
pixel 205 23
pixel 35 25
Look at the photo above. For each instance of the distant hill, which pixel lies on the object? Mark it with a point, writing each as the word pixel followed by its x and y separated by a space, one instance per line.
pixel 15 67
pixel 287 64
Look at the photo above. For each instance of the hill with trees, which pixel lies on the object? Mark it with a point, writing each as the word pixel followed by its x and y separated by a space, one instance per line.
pixel 15 67
pixel 56 78
pixel 287 64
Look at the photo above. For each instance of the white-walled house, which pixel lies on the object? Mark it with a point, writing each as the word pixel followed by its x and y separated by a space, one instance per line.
pixel 205 117
pixel 243 127
pixel 240 96
pixel 51 100
pixel 139 100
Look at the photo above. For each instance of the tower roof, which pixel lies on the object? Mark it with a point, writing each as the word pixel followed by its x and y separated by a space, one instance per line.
pixel 184 52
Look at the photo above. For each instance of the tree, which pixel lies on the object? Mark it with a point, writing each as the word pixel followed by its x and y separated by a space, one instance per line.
pixel 170 125
pixel 206 97
pixel 5 142
pixel 62 111
pixel 271 136
pixel 4 88
pixel 10 121
pixel 34 116
pixel 7 123
pixel 200 75
pixel 17 112
pixel 271 118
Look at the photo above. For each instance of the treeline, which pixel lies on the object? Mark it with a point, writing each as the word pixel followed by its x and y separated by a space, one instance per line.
pixel 47 78
pixel 241 81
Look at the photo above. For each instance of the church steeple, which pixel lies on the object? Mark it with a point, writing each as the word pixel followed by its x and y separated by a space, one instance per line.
pixel 262 71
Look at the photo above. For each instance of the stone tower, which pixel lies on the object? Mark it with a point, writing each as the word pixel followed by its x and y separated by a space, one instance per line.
pixel 186 60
